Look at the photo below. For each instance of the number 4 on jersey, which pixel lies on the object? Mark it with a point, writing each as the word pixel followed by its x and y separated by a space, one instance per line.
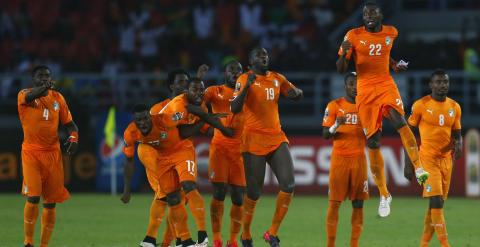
pixel 45 114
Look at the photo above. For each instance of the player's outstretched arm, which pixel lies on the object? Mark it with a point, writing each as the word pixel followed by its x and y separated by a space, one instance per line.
pixel 342 61
pixel 457 144
pixel 36 93
pixel 398 66
pixel 188 130
pixel 408 169
pixel 237 103
pixel 202 71
pixel 72 141
pixel 211 119
pixel 295 94
pixel 128 170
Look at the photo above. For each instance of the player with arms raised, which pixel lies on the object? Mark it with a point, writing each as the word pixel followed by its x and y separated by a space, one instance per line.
pixel 378 95
pixel 438 120
pixel 41 109
pixel 256 95
pixel 348 166
pixel 225 168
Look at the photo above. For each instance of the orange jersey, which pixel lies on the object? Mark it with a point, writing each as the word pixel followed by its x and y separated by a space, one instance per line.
pixel 260 107
pixel 349 139
pixel 155 109
pixel 220 98
pixel 371 53
pixel 435 121
pixel 40 120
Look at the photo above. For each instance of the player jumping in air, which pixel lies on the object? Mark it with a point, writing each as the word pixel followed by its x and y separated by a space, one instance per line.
pixel 348 165
pixel 256 96
pixel 438 120
pixel 378 95
pixel 225 168
pixel 41 109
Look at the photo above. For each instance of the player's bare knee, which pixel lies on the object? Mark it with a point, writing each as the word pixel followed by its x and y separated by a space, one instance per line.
pixel 436 202
pixel 49 205
pixel 33 199
pixel 174 198
pixel 357 203
pixel 237 195
pixel 188 186
pixel 288 187
pixel 219 191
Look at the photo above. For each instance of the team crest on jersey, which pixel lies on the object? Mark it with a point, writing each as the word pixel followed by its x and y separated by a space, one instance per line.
pixel 325 116
pixel 238 86
pixel 451 112
pixel 388 40
pixel 177 116
pixel 163 135
pixel 428 188
pixel 56 106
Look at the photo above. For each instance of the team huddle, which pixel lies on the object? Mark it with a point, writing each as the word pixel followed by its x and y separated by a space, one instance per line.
pixel 242 116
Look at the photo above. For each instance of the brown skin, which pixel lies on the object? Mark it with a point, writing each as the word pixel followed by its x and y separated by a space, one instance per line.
pixel 179 85
pixel 350 94
pixel 232 71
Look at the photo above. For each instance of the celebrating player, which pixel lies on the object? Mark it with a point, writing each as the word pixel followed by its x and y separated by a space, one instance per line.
pixel 256 96
pixel 41 109
pixel 438 120
pixel 378 96
pixel 226 165
pixel 348 166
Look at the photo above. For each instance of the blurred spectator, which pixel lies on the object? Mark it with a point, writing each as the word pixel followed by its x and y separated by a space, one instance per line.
pixel 203 16
pixel 251 16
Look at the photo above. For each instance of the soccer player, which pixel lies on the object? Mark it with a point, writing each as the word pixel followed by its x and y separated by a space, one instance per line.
pixel 41 109
pixel 438 120
pixel 225 168
pixel 348 166
pixel 256 96
pixel 378 96
pixel 183 113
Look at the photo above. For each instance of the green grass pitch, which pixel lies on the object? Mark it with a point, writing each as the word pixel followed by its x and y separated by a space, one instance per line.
pixel 98 220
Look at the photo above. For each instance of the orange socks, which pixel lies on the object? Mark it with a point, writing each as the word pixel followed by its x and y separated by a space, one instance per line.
pixel 357 226
pixel 438 222
pixel 169 235
pixel 377 169
pixel 332 221
pixel 157 210
pixel 197 208
pixel 179 220
pixel 48 222
pixel 428 230
pixel 216 215
pixel 249 210
pixel 30 214
pixel 283 201
pixel 235 222
pixel 410 145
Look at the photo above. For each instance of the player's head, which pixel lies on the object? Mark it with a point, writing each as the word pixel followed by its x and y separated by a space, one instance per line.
pixel 233 70
pixel 196 91
pixel 258 59
pixel 439 83
pixel 351 84
pixel 177 81
pixel 372 15
pixel 41 75
pixel 142 118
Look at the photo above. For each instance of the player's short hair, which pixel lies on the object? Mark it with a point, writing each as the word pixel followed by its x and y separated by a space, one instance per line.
pixel 140 108
pixel 194 80
pixel 252 52
pixel 372 4
pixel 438 72
pixel 232 61
pixel 173 73
pixel 348 75
pixel 39 67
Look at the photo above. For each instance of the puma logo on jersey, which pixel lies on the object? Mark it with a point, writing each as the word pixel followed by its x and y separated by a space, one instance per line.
pixel 430 111
pixel 342 111
pixel 220 96
pixel 363 42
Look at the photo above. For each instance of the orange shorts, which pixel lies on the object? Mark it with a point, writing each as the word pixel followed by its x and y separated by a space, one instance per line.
pixel 226 164
pixel 176 168
pixel 348 178
pixel 43 175
pixel 149 158
pixel 374 103
pixel 261 143
pixel 440 170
